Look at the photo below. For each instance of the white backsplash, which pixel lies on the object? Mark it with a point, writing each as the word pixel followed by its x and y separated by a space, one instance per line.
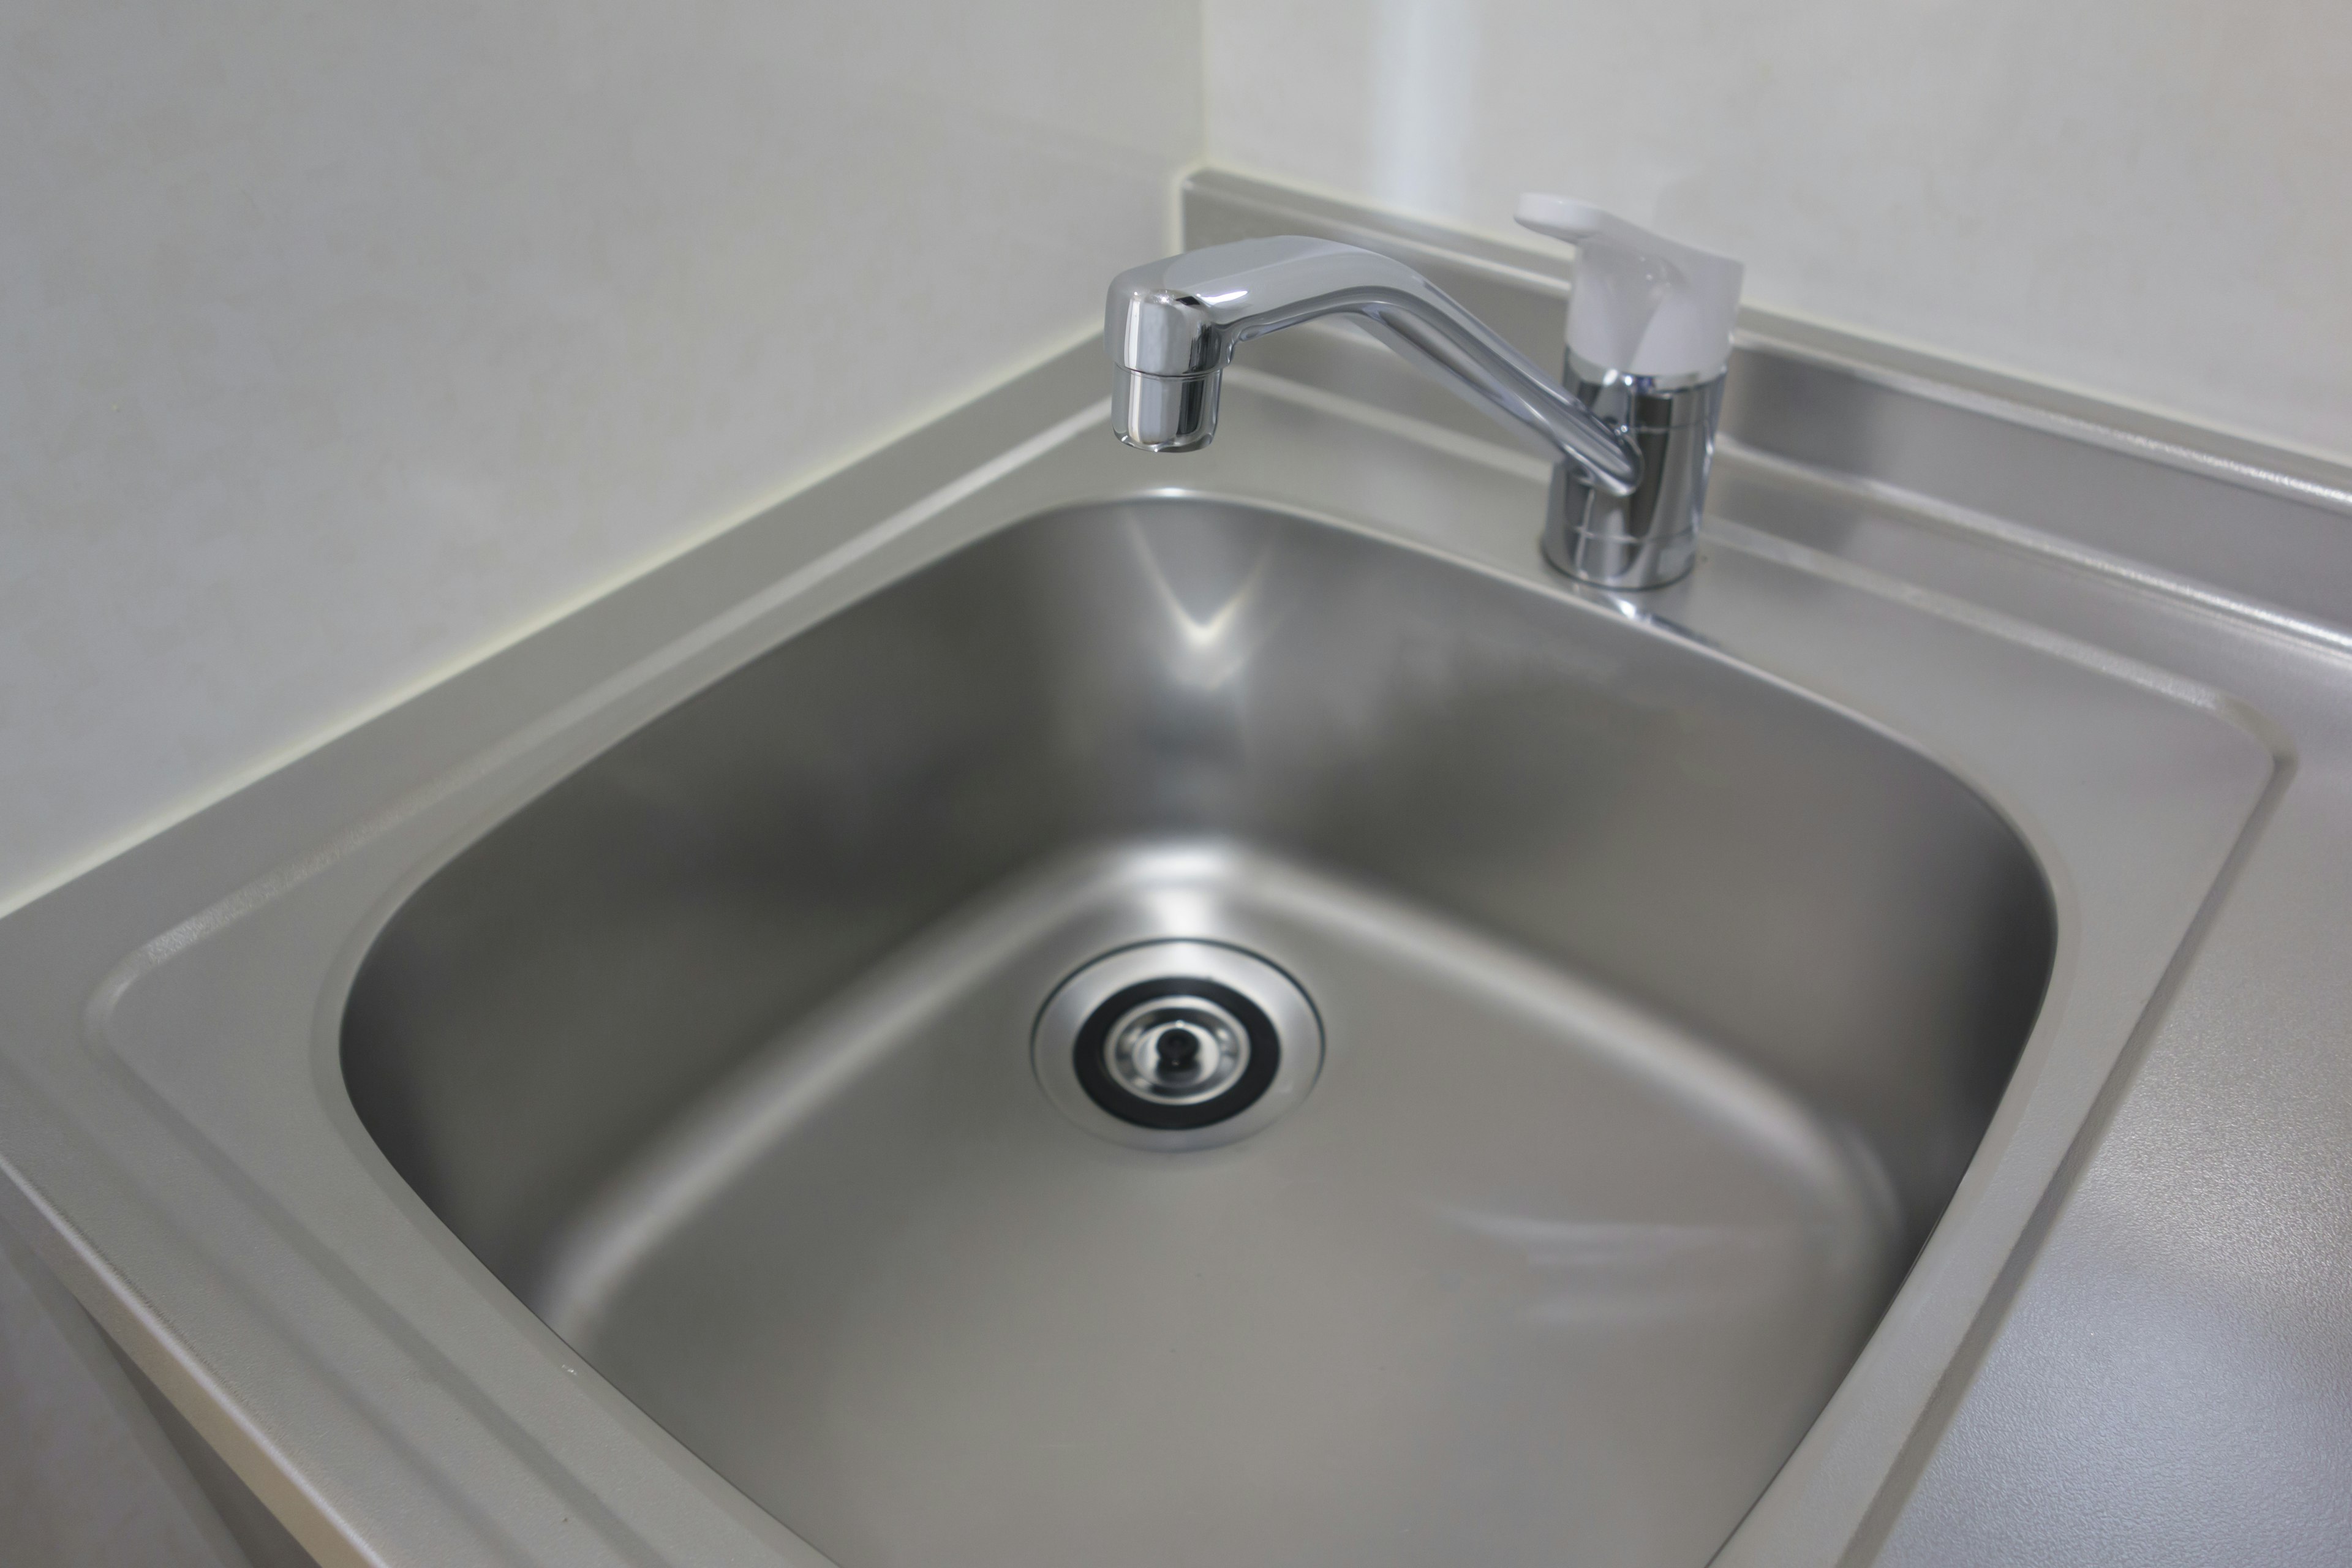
pixel 2148 199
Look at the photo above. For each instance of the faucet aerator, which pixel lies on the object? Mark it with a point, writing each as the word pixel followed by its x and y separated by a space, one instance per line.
pixel 1165 413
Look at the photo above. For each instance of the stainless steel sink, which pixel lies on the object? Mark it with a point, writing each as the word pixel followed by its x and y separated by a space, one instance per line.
pixel 601 1111
pixel 1664 1007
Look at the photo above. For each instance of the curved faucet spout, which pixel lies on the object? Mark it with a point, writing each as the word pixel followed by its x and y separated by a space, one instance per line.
pixel 1171 327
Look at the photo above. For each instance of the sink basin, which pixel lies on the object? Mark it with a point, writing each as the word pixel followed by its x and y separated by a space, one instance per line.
pixel 1663 1008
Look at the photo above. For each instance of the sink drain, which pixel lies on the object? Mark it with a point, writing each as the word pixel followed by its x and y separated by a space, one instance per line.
pixel 1177 1044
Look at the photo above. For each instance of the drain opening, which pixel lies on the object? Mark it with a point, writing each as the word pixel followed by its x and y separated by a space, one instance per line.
pixel 1177 1053
pixel 1177 1044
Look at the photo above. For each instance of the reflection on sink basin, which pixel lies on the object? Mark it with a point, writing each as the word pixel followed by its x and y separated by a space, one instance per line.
pixel 1664 1007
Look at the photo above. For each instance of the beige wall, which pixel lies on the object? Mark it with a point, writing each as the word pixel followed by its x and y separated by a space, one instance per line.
pixel 2150 199
pixel 336 340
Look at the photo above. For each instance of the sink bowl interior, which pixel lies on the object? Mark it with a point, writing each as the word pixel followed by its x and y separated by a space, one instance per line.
pixel 1664 1006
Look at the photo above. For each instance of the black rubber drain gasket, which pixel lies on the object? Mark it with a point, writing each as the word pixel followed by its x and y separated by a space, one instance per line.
pixel 1094 1077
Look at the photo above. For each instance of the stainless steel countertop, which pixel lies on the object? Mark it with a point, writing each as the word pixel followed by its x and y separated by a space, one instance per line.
pixel 2164 1372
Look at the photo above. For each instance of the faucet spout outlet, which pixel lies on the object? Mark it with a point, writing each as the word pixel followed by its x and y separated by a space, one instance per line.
pixel 1164 413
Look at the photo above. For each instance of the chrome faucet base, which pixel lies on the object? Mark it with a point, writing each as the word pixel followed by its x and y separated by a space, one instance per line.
pixel 1649 538
pixel 1606 557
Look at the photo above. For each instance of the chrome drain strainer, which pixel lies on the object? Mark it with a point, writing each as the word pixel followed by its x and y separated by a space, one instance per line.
pixel 1177 1044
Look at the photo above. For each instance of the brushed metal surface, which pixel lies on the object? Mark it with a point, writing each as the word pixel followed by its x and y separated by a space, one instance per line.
pixel 1664 1007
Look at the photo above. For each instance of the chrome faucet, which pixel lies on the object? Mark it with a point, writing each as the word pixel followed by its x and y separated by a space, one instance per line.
pixel 1632 442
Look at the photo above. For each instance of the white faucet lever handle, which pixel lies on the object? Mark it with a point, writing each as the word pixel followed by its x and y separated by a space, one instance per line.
pixel 1642 304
